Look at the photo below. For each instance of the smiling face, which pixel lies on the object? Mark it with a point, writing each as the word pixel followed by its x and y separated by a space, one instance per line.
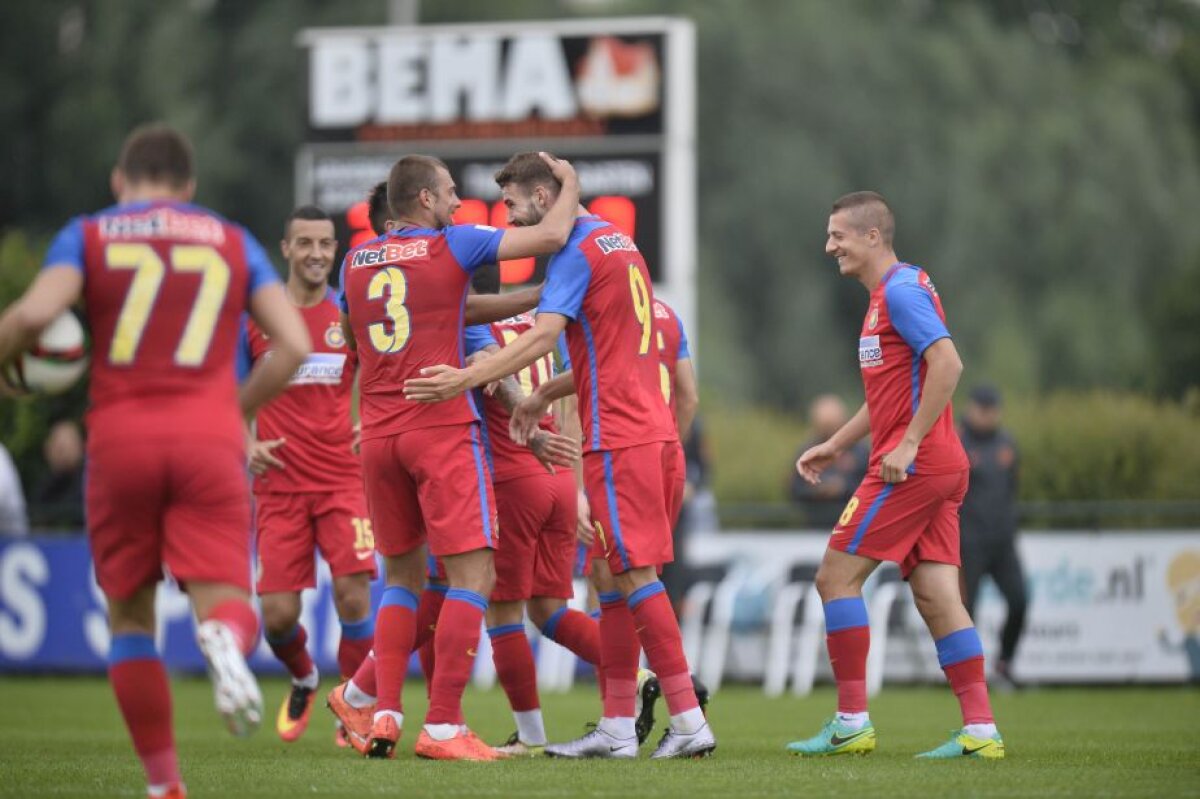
pixel 851 246
pixel 525 207
pixel 309 249
pixel 442 200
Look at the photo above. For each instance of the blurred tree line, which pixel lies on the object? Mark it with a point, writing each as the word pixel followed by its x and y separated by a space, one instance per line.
pixel 1043 157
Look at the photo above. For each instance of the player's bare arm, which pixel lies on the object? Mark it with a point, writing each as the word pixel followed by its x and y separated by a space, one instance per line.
pixel 524 417
pixel 485 308
pixel 816 459
pixel 278 318
pixel 443 382
pixel 54 290
pixel 941 378
pixel 551 233
pixel 687 397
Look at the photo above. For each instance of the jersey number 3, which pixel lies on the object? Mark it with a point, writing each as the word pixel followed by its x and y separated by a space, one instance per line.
pixel 148 273
pixel 392 283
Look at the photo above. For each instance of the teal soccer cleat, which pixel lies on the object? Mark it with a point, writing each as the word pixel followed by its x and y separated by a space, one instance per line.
pixel 836 738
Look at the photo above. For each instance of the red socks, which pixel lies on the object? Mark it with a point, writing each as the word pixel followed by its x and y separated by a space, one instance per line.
pixel 428 611
pixel 658 630
pixel 292 651
pixel 514 666
pixel 619 653
pixel 140 684
pixel 848 655
pixel 455 643
pixel 356 641
pixel 239 616
pixel 575 630
pixel 968 683
pixel 395 629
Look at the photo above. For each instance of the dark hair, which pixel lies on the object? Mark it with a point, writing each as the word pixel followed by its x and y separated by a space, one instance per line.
pixel 486 279
pixel 156 153
pixel 377 208
pixel 528 171
pixel 868 210
pixel 408 177
pixel 304 212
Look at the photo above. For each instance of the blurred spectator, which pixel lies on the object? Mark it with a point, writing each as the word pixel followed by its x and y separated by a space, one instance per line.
pixel 989 520
pixel 13 520
pixel 57 499
pixel 823 503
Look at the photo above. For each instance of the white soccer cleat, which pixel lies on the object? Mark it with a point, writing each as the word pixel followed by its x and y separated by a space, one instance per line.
pixel 700 743
pixel 235 690
pixel 596 743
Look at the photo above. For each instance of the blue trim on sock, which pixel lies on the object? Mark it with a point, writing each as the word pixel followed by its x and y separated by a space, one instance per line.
pixel 131 646
pixel 398 595
pixel 439 588
pixel 958 646
pixel 464 595
pixel 845 613
pixel 550 628
pixel 611 598
pixel 505 629
pixel 285 639
pixel 645 592
pixel 358 630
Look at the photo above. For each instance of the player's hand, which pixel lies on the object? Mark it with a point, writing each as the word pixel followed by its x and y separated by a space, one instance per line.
pixel 523 422
pixel 258 453
pixel 356 442
pixel 436 384
pixel 559 167
pixel 894 466
pixel 815 460
pixel 553 450
pixel 584 531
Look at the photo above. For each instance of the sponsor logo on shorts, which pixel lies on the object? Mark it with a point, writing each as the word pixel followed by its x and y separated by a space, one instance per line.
pixel 870 353
pixel 320 369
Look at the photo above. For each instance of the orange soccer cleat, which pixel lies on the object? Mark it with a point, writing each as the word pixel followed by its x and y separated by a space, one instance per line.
pixel 292 720
pixel 356 721
pixel 382 739
pixel 466 745
pixel 341 739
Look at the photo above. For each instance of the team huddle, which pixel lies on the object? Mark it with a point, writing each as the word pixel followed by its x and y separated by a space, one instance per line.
pixel 481 466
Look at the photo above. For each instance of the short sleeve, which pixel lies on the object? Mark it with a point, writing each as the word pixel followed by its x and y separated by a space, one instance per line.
pixel 67 247
pixel 567 277
pixel 474 245
pixel 564 354
pixel 245 358
pixel 913 314
pixel 262 272
pixel 478 337
pixel 684 352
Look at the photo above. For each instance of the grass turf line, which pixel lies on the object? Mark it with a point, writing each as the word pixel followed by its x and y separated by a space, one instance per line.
pixel 63 737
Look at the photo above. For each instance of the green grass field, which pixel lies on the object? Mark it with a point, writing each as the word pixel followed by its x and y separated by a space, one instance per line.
pixel 62 737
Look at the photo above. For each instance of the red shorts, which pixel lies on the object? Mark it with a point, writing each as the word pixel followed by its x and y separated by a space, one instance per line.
pixel 675 497
pixel 631 492
pixel 906 523
pixel 433 484
pixel 292 525
pixel 182 502
pixel 536 550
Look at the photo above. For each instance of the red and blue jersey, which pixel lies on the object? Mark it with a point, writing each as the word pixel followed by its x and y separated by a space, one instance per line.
pixel 904 318
pixel 509 459
pixel 672 348
pixel 599 281
pixel 405 293
pixel 165 287
pixel 313 414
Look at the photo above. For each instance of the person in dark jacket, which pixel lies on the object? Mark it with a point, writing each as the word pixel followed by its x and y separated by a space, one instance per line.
pixel 989 520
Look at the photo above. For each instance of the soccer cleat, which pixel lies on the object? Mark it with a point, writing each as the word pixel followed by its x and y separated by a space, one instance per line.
pixel 356 721
pixel 466 745
pixel 381 741
pixel 963 745
pixel 596 743
pixel 341 739
pixel 836 738
pixel 175 790
pixel 515 747
pixel 235 690
pixel 701 694
pixel 700 743
pixel 292 720
pixel 648 691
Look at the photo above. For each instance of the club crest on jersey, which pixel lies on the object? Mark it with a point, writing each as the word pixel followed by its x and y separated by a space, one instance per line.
pixel 873 319
pixel 391 252
pixel 334 337
pixel 870 353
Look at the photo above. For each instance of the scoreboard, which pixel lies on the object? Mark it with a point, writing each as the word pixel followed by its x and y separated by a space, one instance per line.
pixel 615 96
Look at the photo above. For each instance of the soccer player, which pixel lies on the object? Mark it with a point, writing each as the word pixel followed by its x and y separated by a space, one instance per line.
pixel 425 473
pixel 165 283
pixel 598 290
pixel 906 508
pixel 308 482
pixel 678 378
